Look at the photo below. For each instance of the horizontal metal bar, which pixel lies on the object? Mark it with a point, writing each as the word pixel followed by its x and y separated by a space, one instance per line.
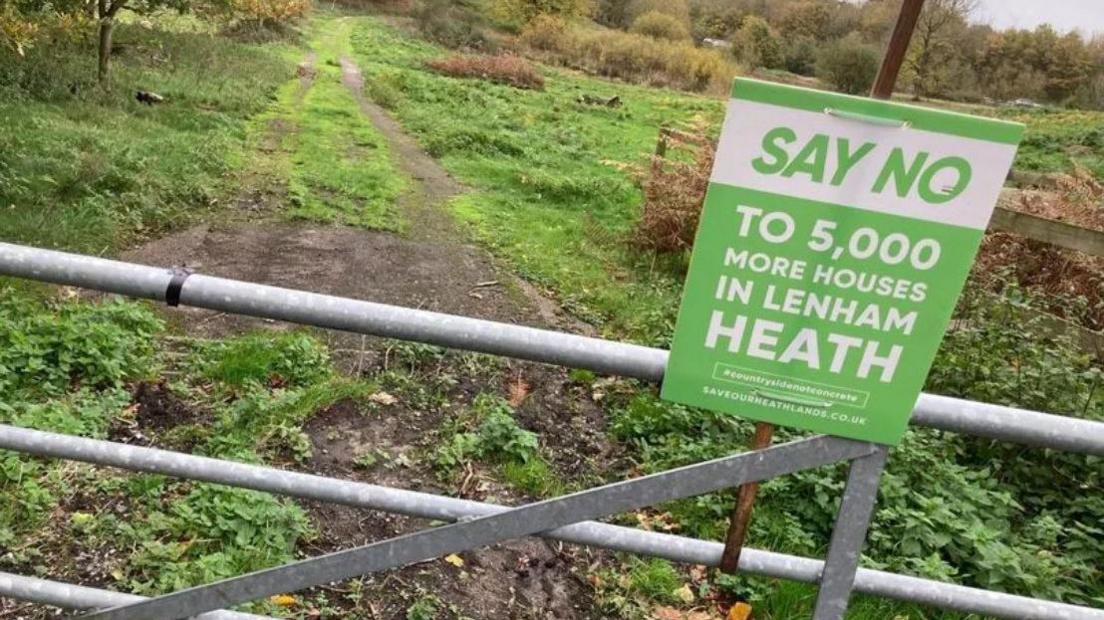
pixel 69 596
pixel 605 356
pixel 593 534
pixel 606 500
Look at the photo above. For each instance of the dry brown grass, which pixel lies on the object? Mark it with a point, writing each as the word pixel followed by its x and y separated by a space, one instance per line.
pixel 501 68
pixel 630 57
pixel 1078 200
pixel 673 193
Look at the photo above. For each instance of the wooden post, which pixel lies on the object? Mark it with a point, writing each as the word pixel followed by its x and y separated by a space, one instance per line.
pixel 898 47
pixel 882 89
pixel 745 501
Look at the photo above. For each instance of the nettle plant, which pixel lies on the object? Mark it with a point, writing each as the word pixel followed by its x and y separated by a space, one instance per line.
pixel 951 507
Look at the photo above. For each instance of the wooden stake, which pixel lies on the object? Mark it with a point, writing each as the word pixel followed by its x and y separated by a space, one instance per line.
pixel 745 502
pixel 896 50
pixel 882 89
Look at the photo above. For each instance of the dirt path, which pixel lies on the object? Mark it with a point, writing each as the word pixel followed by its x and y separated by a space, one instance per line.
pixel 432 268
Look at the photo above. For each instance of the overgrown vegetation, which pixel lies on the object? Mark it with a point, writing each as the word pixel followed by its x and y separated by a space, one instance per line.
pixel 950 507
pixel 90 170
pixel 501 69
pixel 70 366
pixel 639 58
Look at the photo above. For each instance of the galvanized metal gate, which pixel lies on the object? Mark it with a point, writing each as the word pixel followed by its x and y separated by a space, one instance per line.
pixel 476 524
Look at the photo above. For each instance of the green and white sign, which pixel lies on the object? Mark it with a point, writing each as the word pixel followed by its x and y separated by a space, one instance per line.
pixel 835 239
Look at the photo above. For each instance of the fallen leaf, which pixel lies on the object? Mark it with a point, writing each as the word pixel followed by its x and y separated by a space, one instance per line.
pixel 685 594
pixel 666 613
pixel 698 572
pixel 455 560
pixel 383 398
pixel 702 615
pixel 739 611
pixel 283 600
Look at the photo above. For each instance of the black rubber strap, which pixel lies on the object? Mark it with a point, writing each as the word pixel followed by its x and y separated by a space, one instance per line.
pixel 172 293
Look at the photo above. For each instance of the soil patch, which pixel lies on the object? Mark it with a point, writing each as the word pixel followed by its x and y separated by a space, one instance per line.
pixel 527 578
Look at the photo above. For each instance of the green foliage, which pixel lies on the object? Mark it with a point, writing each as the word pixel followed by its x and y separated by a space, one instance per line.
pixel 453 24
pixel 655 579
pixel 550 190
pixel 83 413
pixel 292 359
pixel 950 507
pixel 520 12
pixel 90 170
pixel 660 26
pixel 45 348
pixel 756 44
pixel 212 532
pixel 678 9
pixel 629 56
pixel 425 608
pixel 800 55
pixel 497 437
pixel 848 65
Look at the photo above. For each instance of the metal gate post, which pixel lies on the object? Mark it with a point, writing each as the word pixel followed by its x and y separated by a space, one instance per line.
pixel 849 535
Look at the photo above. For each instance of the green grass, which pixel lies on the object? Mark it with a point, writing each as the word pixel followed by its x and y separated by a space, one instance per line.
pixel 341 168
pixel 250 403
pixel 551 194
pixel 89 170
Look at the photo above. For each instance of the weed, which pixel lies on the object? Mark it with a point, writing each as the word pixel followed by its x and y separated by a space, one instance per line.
pixel 425 608
pixel 47 348
pixel 291 359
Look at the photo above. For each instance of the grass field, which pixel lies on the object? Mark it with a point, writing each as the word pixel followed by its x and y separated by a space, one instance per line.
pixel 95 171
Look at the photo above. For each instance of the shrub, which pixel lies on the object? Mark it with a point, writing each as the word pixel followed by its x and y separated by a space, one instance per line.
pixel 757 45
pixel 453 25
pixel 848 65
pixel 677 9
pixel 546 32
pixel 631 57
pixel 673 197
pixel 523 11
pixel 800 56
pixel 501 69
pixel 660 26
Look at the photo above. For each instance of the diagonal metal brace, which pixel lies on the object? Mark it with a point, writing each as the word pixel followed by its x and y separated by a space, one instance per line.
pixel 522 521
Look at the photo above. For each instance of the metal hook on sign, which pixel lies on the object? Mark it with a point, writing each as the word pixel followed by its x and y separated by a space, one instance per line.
pixel 866 118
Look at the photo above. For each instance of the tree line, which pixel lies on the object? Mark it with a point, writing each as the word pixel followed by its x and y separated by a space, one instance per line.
pixel 841 42
pixel 25 24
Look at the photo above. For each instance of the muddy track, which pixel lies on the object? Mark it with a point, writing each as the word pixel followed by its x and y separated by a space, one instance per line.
pixel 431 268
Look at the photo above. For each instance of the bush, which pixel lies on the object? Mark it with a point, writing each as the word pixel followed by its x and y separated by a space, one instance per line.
pixel 46 349
pixel 673 198
pixel 800 56
pixel 757 45
pixel 452 24
pixel 501 69
pixel 660 26
pixel 677 9
pixel 524 11
pixel 631 57
pixel 848 65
